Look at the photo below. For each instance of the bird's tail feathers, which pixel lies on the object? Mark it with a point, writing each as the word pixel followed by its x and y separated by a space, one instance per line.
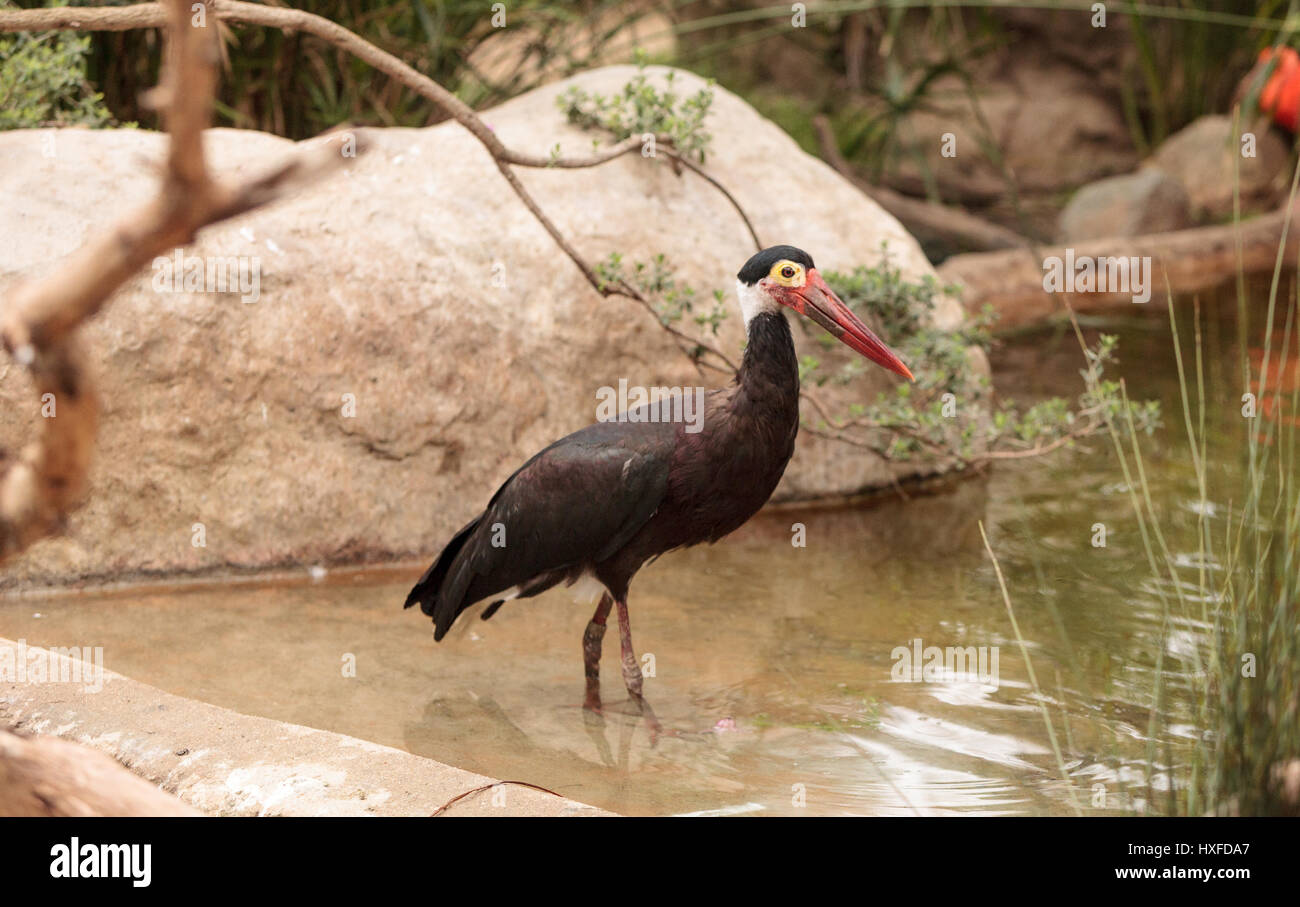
pixel 428 591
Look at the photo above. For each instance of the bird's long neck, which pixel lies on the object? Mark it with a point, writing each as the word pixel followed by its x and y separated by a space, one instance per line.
pixel 768 380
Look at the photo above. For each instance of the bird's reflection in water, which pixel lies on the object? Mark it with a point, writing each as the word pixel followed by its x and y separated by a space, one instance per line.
pixel 619 731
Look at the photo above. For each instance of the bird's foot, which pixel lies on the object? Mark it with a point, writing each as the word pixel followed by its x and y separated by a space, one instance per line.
pixel 651 720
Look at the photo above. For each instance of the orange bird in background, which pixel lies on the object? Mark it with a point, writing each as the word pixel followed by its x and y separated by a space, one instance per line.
pixel 1278 385
pixel 1280 97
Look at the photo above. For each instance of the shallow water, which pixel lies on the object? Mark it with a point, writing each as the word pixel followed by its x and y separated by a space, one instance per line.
pixel 772 663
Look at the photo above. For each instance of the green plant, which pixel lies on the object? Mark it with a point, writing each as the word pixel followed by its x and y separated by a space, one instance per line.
pixel 941 416
pixel 898 307
pixel 672 300
pixel 640 109
pixel 1245 682
pixel 43 81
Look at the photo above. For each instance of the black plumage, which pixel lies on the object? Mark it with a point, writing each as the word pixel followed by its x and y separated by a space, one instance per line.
pixel 608 498
pixel 761 264
pixel 611 496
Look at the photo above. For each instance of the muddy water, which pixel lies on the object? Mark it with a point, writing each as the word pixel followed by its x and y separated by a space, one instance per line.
pixel 772 664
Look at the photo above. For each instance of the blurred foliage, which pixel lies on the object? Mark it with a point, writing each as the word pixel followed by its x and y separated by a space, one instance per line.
pixel 1258 714
pixel 1190 66
pixel 866 66
pixel 43 81
pixel 298 86
pixel 869 67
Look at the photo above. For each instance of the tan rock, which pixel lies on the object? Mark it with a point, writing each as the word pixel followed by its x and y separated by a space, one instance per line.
pixel 1133 204
pixel 225 419
pixel 1203 155
pixel 1052 130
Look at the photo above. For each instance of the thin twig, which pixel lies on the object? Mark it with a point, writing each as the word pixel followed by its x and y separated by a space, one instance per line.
pixel 482 787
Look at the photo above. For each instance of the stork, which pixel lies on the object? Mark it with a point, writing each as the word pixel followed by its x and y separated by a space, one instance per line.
pixel 595 506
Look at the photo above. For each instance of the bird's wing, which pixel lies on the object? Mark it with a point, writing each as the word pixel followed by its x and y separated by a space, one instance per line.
pixel 578 501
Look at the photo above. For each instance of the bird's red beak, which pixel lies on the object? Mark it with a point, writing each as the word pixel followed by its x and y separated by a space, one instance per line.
pixel 819 302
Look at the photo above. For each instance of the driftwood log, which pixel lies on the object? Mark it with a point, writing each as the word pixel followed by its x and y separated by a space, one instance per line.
pixel 46 776
pixel 1195 260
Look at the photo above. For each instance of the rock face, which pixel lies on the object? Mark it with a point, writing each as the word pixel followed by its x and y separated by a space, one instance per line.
pixel 1202 156
pixel 1149 201
pixel 1052 129
pixel 415 335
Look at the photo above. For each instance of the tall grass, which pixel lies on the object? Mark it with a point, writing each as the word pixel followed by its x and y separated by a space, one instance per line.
pixel 1256 666
pixel 1246 673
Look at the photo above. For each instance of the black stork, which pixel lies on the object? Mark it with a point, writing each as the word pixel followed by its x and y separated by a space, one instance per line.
pixel 600 503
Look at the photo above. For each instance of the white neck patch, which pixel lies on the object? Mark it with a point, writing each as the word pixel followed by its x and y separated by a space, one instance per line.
pixel 753 301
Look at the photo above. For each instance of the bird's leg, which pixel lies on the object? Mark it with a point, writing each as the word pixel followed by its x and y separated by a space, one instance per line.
pixel 631 667
pixel 591 641
pixel 632 673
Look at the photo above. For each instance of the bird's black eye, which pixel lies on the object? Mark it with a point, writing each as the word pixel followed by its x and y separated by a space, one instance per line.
pixel 787 272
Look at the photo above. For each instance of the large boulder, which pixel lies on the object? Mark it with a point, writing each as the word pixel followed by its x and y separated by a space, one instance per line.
pixel 418 284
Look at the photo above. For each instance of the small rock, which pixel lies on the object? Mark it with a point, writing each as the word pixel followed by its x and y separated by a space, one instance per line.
pixel 1202 157
pixel 1054 130
pixel 1149 201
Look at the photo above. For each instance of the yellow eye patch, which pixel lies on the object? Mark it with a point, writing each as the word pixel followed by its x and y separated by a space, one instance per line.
pixel 788 273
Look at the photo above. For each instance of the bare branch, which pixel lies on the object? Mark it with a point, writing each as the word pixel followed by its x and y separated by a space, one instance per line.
pixel 1193 260
pixel 84 18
